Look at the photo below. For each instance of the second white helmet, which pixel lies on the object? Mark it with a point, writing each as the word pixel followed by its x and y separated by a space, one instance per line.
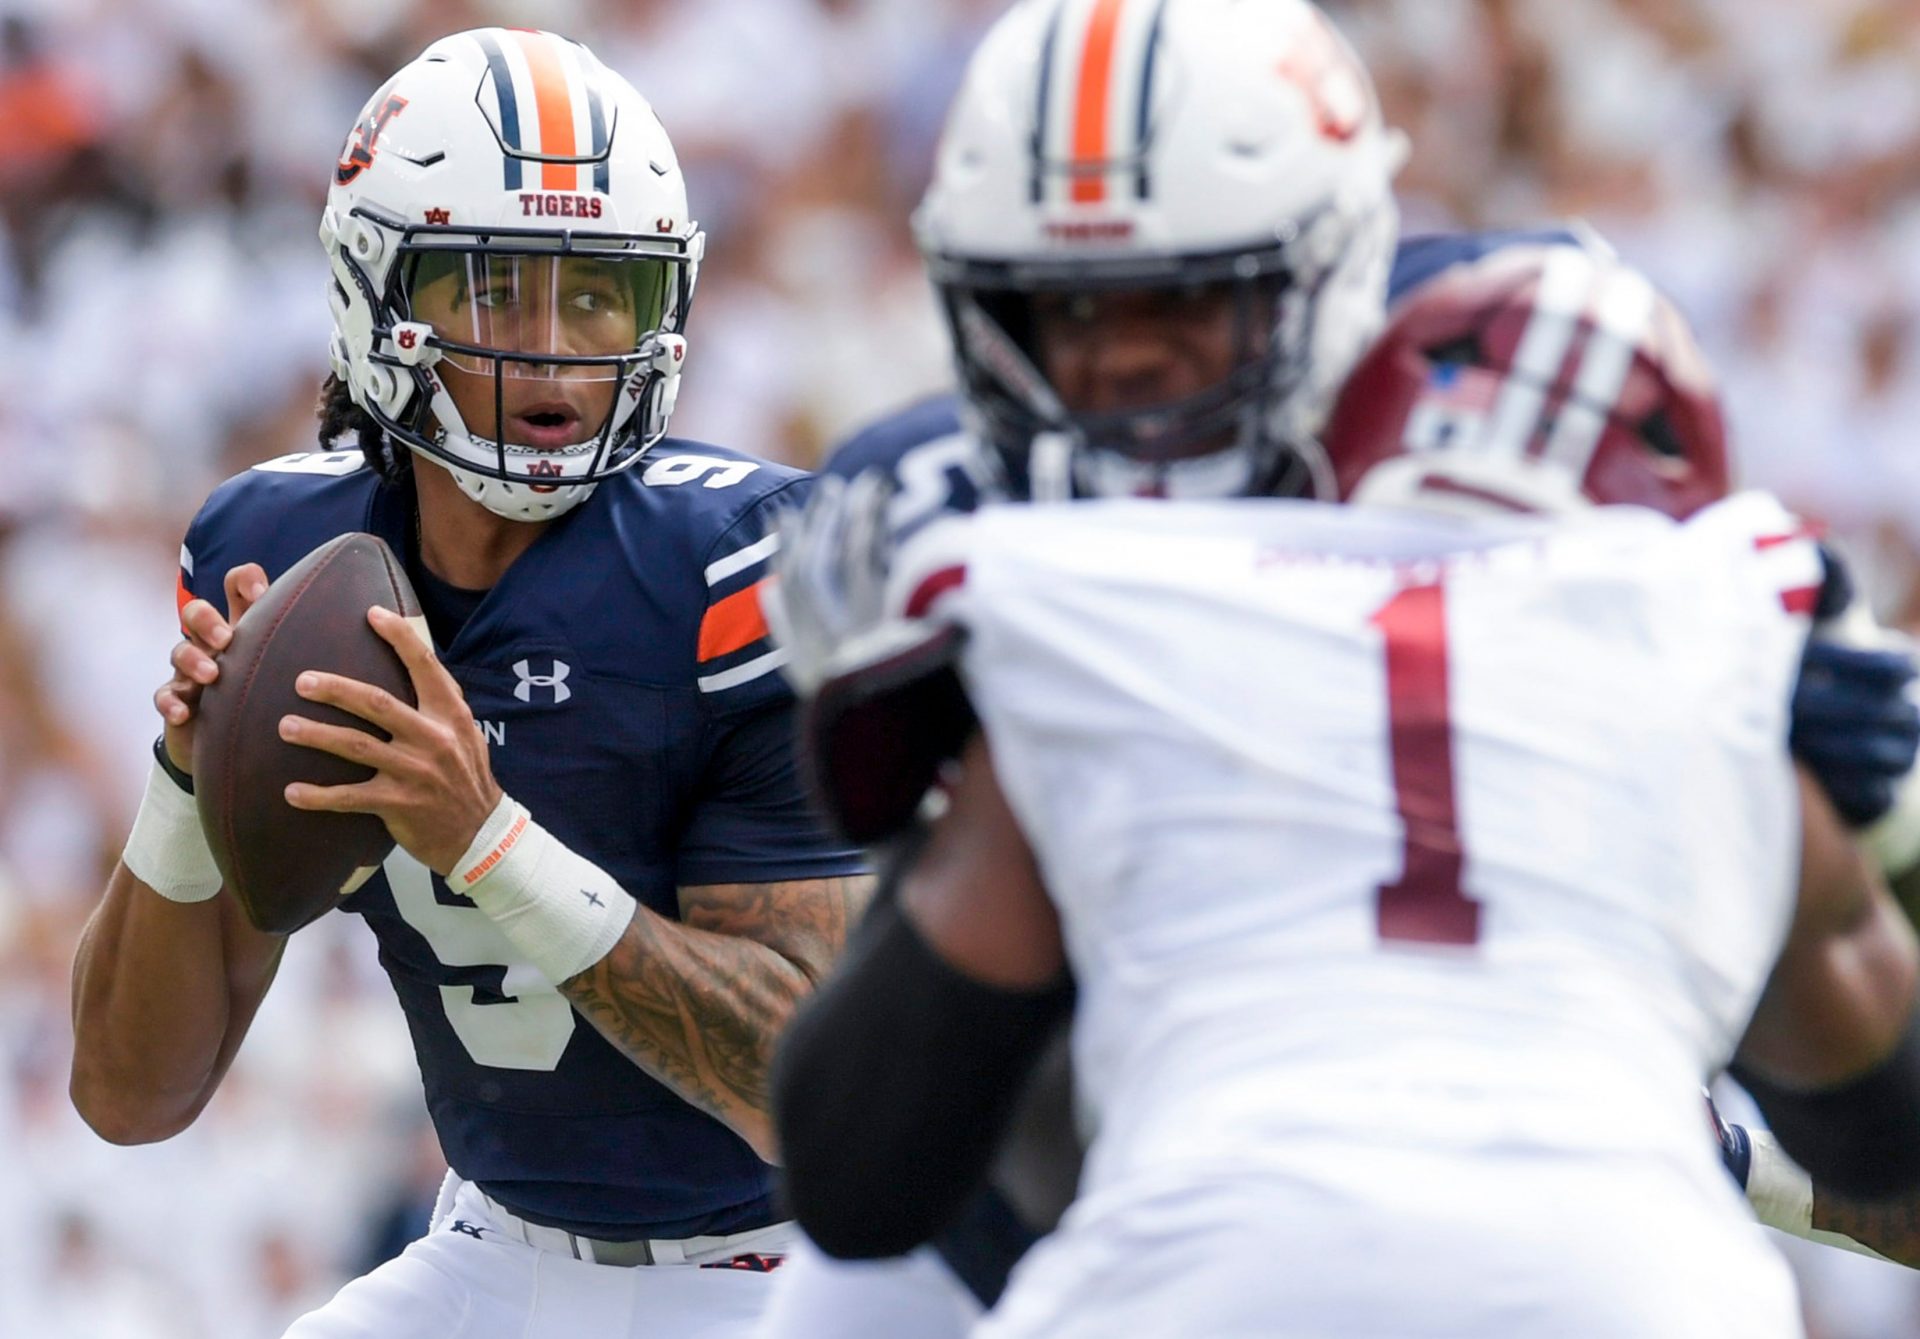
pixel 1125 145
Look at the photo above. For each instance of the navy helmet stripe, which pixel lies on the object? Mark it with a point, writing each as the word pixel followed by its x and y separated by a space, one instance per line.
pixel 509 107
pixel 597 125
pixel 1143 181
pixel 1037 186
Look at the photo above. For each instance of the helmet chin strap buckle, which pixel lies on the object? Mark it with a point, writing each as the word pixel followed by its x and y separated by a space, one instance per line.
pixel 669 352
pixel 412 344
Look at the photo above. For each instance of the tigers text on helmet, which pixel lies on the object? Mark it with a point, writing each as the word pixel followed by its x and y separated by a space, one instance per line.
pixel 1538 379
pixel 1213 166
pixel 512 264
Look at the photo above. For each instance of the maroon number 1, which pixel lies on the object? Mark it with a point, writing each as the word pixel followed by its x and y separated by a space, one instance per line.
pixel 1426 904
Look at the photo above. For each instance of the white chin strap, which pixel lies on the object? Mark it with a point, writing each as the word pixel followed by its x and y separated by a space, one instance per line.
pixel 513 501
pixel 1225 473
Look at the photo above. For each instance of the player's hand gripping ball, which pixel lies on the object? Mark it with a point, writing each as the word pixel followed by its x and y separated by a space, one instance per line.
pixel 288 866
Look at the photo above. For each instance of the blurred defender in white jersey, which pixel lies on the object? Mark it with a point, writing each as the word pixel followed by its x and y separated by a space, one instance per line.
pixel 1415 862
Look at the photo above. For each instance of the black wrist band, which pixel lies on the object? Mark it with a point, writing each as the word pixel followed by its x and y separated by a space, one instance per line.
pixel 184 780
pixel 1856 1139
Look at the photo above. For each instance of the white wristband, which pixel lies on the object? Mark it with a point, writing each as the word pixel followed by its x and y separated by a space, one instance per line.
pixel 167 849
pixel 1781 1193
pixel 1779 1190
pixel 560 909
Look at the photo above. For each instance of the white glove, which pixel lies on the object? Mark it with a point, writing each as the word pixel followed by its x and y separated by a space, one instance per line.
pixel 827 606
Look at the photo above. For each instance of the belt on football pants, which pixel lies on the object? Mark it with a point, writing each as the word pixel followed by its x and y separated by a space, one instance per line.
pixel 771 1239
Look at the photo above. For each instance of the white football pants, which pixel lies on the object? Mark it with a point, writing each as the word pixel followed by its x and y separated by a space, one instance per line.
pixel 1373 1245
pixel 468 1278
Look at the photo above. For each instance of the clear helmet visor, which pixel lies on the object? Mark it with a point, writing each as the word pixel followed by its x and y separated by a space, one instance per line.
pixel 535 349
pixel 543 317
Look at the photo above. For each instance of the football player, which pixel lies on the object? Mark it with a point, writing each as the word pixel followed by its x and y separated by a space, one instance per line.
pixel 608 892
pixel 1067 278
pixel 1415 860
pixel 1218 175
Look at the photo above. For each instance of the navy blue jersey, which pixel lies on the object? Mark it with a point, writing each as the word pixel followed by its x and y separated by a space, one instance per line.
pixel 621 672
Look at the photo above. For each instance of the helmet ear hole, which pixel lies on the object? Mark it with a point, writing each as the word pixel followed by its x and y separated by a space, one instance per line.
pixel 1463 351
pixel 1658 432
pixel 366 243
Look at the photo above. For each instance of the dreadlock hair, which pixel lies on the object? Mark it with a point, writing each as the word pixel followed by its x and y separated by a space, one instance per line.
pixel 340 416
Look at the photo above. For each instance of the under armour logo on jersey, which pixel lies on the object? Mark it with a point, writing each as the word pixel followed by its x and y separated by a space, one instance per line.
pixel 465 1228
pixel 529 681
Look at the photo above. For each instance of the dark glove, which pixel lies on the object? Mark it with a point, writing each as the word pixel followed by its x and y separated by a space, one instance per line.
pixel 1854 725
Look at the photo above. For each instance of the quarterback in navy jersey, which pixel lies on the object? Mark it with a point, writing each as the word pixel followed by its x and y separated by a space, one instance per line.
pixel 609 671
pixel 608 891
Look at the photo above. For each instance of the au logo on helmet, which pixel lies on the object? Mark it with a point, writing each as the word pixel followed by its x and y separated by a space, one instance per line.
pixel 366 137
pixel 1325 71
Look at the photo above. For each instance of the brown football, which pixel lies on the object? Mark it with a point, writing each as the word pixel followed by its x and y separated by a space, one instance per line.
pixel 288 866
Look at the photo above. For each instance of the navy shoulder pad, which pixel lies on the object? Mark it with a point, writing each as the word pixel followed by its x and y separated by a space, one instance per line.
pixel 701 519
pixel 883 442
pixel 275 514
pixel 935 464
pixel 1421 258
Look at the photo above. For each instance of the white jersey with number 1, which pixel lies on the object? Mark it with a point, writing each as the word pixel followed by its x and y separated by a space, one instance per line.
pixel 1393 850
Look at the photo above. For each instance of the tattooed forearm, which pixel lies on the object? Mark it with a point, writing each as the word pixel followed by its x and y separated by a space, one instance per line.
pixel 698 1003
pixel 1892 1229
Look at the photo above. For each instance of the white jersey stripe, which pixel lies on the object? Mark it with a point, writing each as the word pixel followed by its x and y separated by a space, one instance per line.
pixel 739 561
pixel 1625 306
pixel 1063 91
pixel 1793 564
pixel 186 560
pixel 733 678
pixel 1564 289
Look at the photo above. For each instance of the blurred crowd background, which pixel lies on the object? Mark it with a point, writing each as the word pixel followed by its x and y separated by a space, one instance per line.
pixel 162 166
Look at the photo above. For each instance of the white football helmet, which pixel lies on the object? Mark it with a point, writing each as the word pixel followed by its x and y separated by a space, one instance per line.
pixel 1138 145
pixel 508 214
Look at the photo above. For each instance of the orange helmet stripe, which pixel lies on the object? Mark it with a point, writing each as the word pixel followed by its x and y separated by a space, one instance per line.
pixel 554 104
pixel 1090 106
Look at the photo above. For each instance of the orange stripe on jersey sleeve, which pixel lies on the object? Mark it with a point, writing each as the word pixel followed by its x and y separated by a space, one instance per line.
pixel 733 623
pixel 182 597
pixel 1090 106
pixel 555 105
